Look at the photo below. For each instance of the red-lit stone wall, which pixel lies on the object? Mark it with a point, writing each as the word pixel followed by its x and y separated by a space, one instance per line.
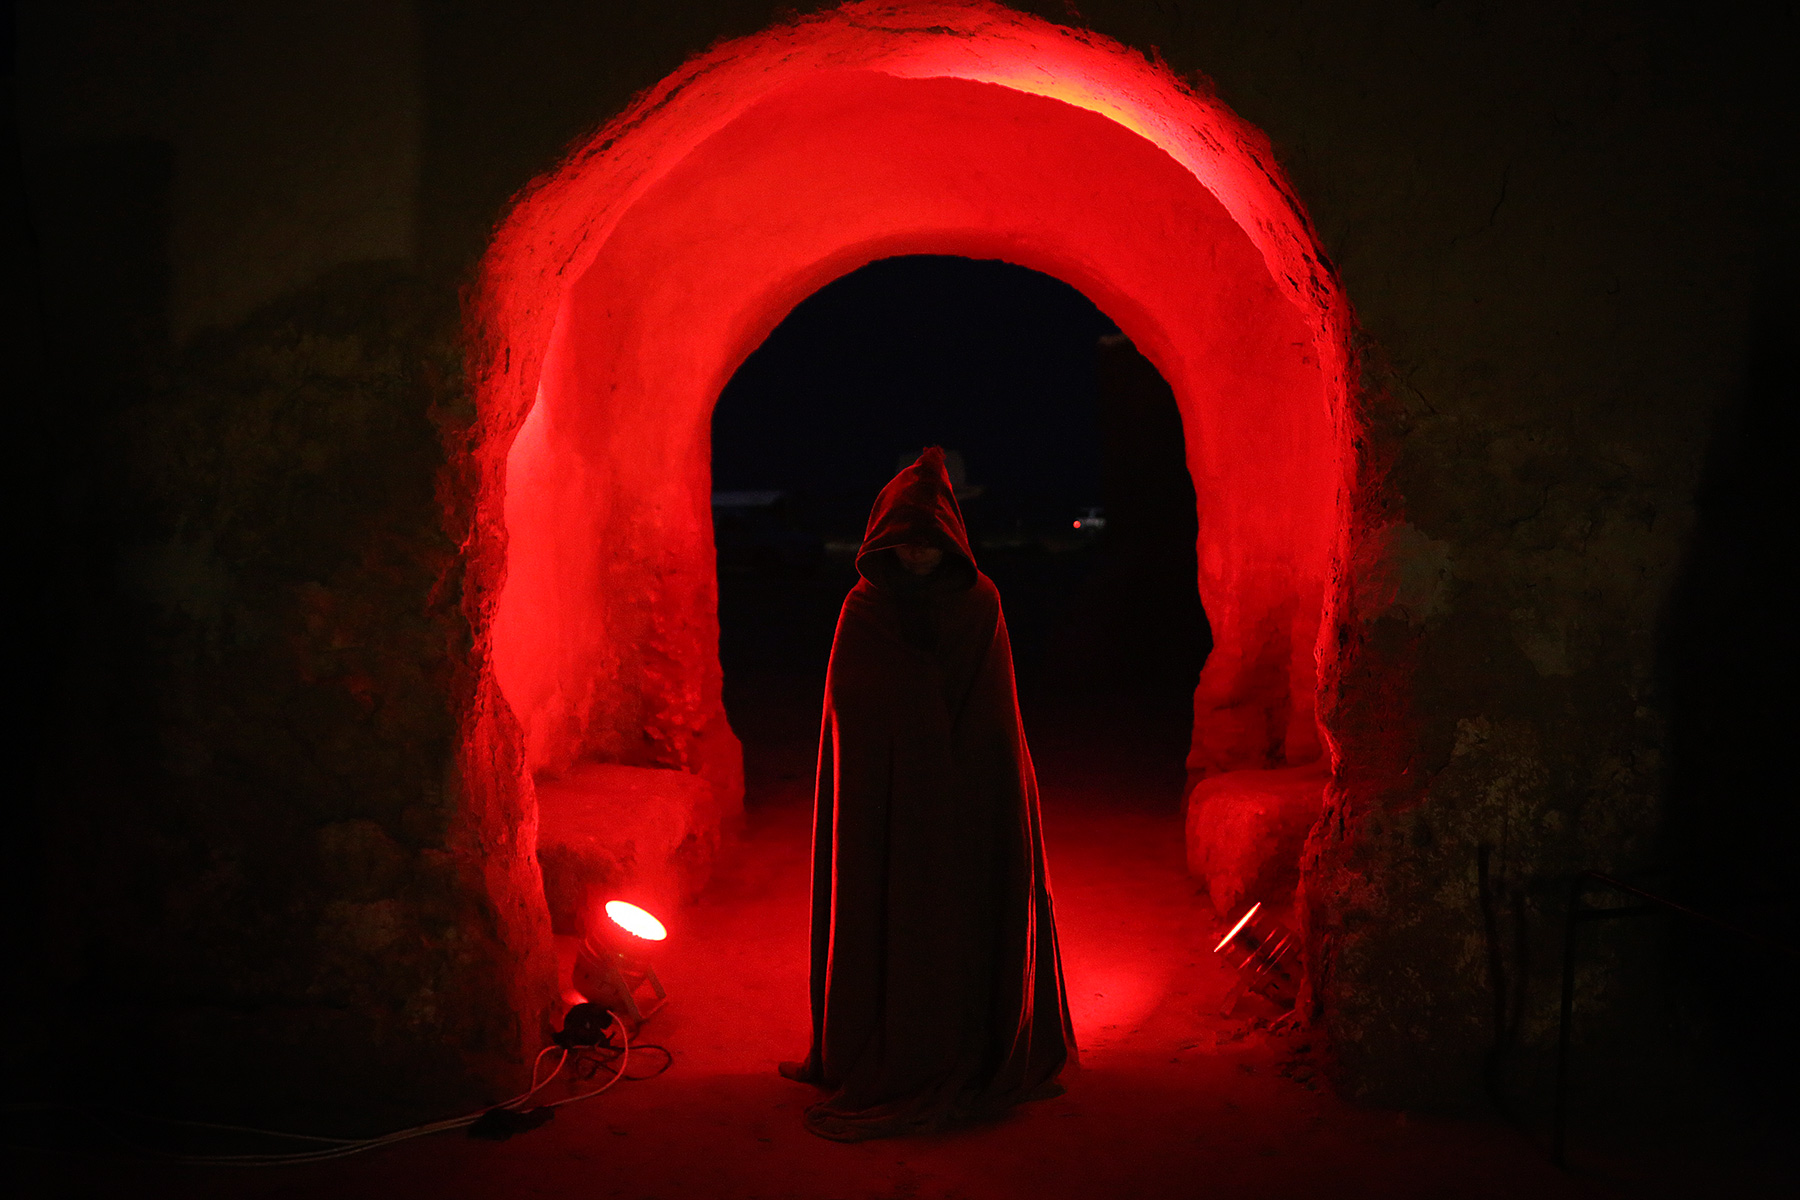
pixel 604 635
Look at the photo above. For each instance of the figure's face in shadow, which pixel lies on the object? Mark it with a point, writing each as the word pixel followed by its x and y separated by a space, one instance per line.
pixel 919 558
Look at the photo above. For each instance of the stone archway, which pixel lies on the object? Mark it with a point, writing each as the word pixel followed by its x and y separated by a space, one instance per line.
pixel 625 288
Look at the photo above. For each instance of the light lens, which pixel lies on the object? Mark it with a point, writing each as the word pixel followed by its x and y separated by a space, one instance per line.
pixel 635 921
pixel 1223 942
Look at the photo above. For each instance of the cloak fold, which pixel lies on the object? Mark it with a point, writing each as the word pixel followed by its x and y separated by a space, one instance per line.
pixel 937 987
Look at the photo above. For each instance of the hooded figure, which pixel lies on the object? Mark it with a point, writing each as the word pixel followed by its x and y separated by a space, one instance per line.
pixel 937 986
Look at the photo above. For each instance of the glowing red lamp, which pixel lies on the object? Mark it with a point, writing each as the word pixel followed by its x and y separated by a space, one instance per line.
pixel 1236 929
pixel 635 921
pixel 1259 948
pixel 611 969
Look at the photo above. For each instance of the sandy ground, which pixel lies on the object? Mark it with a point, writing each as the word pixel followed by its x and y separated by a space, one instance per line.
pixel 1170 1099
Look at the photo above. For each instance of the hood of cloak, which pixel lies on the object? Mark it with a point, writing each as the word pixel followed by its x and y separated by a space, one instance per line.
pixel 917 506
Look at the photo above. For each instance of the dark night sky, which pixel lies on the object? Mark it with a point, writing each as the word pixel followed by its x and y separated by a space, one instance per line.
pixel 983 357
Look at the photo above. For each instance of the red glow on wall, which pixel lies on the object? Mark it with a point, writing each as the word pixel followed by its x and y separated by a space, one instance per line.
pixel 625 288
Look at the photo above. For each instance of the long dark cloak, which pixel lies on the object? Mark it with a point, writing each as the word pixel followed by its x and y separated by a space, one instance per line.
pixel 937 986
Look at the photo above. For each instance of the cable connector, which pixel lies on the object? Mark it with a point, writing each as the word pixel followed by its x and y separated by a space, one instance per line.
pixel 585 1026
pixel 498 1124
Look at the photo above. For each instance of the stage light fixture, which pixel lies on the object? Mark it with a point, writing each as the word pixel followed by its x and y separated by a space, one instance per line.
pixel 613 968
pixel 1260 948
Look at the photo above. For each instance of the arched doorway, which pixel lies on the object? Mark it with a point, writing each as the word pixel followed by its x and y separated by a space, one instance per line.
pixel 625 288
pixel 1068 454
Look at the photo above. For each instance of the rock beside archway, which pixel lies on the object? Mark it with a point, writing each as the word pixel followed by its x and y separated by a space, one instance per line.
pixel 1245 831
pixel 607 831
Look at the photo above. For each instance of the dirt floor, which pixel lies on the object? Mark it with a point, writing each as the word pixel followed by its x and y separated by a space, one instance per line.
pixel 1170 1100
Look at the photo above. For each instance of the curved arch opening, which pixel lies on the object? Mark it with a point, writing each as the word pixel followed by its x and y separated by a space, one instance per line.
pixel 625 289
pixel 1051 418
pixel 607 482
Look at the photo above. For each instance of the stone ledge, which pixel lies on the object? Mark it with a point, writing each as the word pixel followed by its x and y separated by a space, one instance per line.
pixel 641 833
pixel 1245 831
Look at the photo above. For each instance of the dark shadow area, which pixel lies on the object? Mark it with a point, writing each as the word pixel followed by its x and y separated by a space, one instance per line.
pixel 1689 1055
pixel 87 233
pixel 1731 655
pixel 1068 455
